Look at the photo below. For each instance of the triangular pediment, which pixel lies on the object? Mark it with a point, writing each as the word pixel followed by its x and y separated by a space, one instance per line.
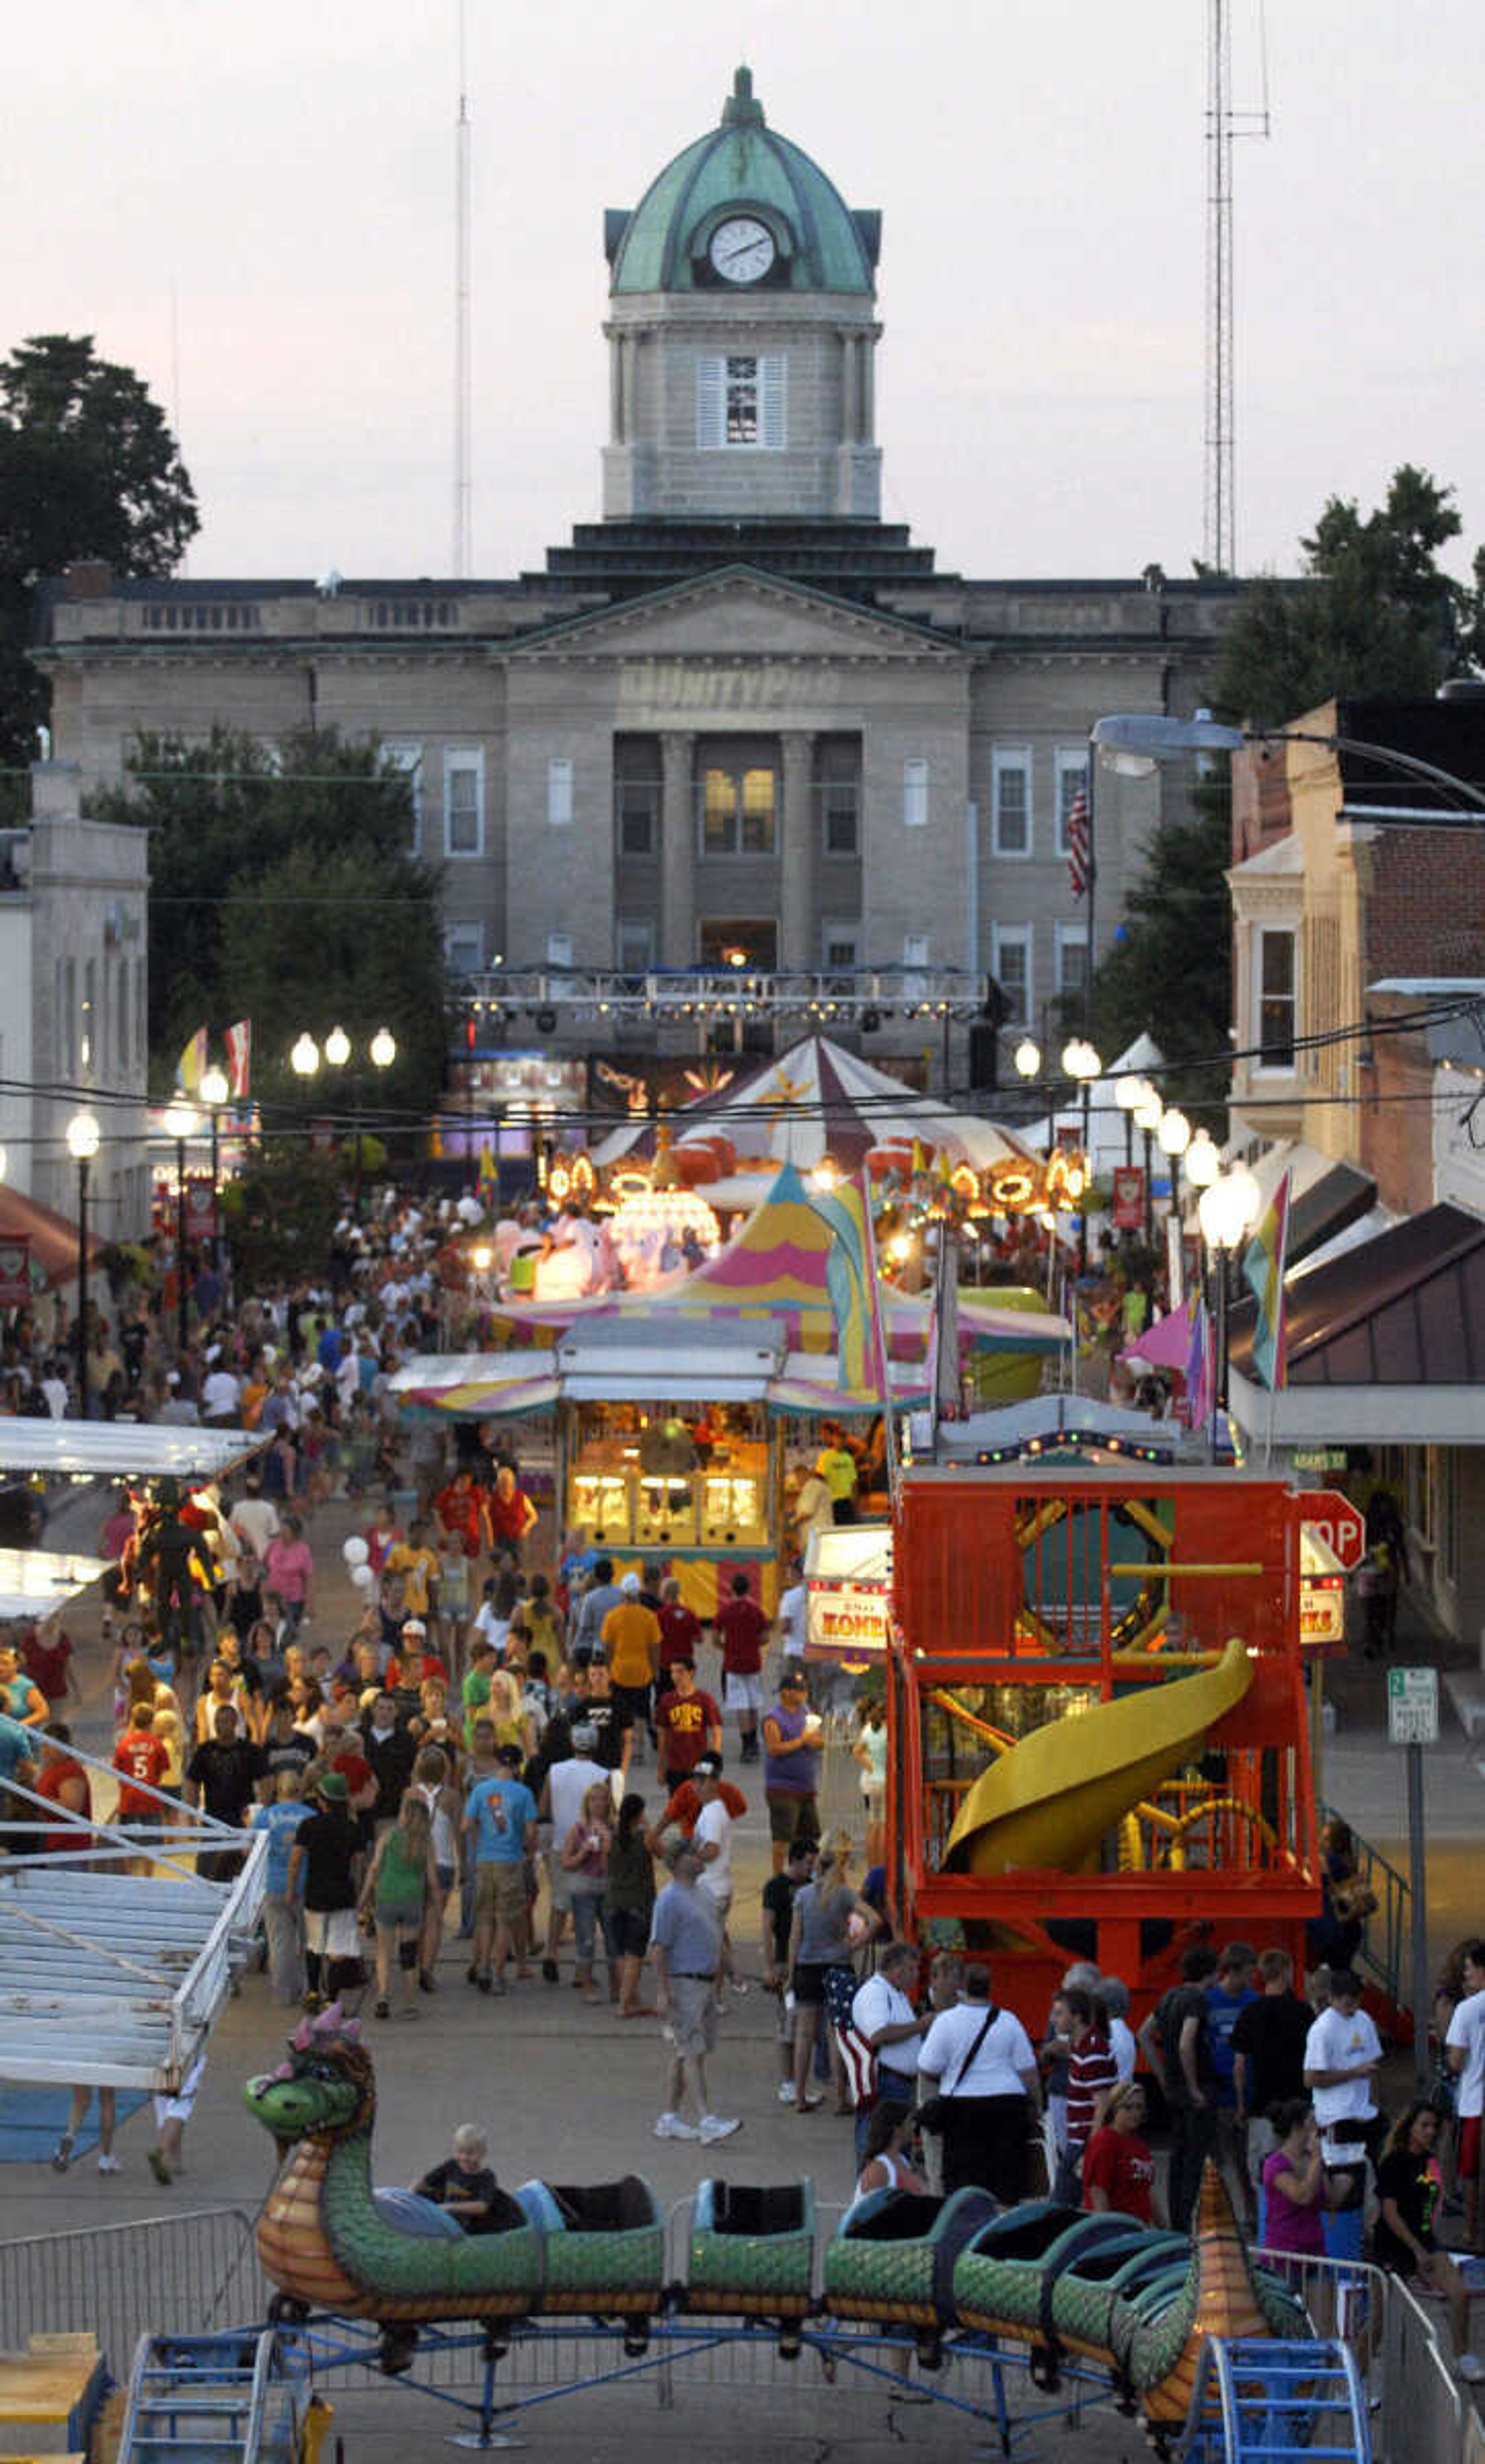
pixel 737 612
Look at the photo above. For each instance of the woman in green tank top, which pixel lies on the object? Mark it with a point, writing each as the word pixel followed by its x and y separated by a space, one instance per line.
pixel 395 1895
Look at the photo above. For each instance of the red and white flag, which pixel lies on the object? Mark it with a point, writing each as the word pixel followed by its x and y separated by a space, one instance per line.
pixel 1080 848
pixel 239 1059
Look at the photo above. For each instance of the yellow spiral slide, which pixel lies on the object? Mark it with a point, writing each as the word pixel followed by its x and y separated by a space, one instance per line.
pixel 1047 1802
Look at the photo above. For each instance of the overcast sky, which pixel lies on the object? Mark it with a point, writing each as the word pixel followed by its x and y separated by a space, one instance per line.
pixel 285 171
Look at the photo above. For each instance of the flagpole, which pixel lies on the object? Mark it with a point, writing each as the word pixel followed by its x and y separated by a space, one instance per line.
pixel 1093 885
pixel 1281 1331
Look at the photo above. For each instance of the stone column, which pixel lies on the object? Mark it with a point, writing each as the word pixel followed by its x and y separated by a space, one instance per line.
pixel 798 923
pixel 677 848
pixel 850 389
pixel 867 389
pixel 616 388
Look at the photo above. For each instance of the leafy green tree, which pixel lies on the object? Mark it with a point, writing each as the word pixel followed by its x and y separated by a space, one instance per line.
pixel 279 1212
pixel 1378 616
pixel 281 889
pixel 88 468
pixel 1374 614
pixel 1170 970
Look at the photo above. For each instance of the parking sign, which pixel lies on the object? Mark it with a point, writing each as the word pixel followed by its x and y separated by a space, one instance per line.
pixel 1412 1707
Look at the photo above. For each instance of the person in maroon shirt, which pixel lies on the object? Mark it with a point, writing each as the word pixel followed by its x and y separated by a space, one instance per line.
pixel 45 1653
pixel 741 1629
pixel 511 1514
pixel 687 1723
pixel 681 1627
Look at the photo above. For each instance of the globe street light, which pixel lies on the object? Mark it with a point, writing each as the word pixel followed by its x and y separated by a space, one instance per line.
pixel 1129 1092
pixel 214 1091
pixel 83 1136
pixel 337 1047
pixel 1142 736
pixel 1202 1163
pixel 304 1059
pixel 1082 1063
pixel 180 1124
pixel 1227 1210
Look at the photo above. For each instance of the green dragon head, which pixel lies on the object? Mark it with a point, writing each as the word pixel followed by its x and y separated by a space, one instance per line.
pixel 323 2089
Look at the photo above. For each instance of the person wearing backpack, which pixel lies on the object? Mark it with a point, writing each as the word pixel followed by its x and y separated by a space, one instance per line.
pixel 984 2092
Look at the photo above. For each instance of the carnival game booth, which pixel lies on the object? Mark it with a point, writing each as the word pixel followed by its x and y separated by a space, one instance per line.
pixel 672 1442
pixel 1096 1695
pixel 848 1596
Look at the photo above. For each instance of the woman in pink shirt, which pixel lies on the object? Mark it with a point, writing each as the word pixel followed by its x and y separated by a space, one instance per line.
pixel 290 1567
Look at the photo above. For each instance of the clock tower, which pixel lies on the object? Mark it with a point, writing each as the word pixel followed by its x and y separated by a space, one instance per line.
pixel 741 331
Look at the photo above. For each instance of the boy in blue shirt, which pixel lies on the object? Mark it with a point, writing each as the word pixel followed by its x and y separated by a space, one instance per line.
pixel 283 1910
pixel 500 1815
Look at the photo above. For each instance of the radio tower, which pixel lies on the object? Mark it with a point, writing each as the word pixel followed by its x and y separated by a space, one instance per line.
pixel 1223 123
pixel 463 526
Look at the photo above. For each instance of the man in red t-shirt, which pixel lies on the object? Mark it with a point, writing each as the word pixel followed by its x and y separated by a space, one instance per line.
pixel 741 1629
pixel 685 1805
pixel 63 1781
pixel 687 1724
pixel 142 1761
pixel 463 1515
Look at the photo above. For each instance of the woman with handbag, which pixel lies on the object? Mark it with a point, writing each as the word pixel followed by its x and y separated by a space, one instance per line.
pixel 987 2092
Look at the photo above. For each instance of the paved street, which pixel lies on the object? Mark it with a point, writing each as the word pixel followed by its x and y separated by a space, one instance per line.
pixel 570 2092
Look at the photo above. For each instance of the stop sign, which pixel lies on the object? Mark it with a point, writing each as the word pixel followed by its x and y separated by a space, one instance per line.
pixel 1334 1520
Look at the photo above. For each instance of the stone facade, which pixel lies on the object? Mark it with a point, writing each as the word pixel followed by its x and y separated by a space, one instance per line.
pixel 741 709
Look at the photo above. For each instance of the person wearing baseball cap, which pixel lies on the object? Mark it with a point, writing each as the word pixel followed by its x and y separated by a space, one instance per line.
pixel 324 1852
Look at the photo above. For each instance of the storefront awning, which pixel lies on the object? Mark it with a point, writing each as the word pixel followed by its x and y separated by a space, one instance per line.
pixel 123 1449
pixel 35 1581
pixel 1386 1343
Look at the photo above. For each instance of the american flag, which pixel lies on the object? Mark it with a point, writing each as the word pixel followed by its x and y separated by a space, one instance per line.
pixel 1079 850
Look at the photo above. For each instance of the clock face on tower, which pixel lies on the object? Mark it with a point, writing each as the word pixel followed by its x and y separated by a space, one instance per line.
pixel 742 248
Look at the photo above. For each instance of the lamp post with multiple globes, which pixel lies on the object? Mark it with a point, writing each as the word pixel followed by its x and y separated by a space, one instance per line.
pixel 180 1124
pixel 83 1138
pixel 1228 1209
pixel 305 1059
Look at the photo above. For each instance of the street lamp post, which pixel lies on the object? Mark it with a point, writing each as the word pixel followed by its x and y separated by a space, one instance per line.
pixel 1146 1118
pixel 1175 1136
pixel 338 1050
pixel 1082 1064
pixel 180 1124
pixel 1227 1211
pixel 82 1143
pixel 1146 737
pixel 213 1093
pixel 1129 1094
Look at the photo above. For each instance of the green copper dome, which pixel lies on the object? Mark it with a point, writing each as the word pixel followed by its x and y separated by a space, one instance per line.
pixel 743 168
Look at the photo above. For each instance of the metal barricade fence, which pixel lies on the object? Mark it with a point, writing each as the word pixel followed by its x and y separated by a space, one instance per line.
pixel 1424 2411
pixel 175 2274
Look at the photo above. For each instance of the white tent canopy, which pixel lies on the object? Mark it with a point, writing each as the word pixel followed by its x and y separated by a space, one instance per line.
pixel 1106 1134
pixel 34 1581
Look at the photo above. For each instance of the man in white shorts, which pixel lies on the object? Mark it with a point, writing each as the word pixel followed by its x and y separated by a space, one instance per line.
pixel 742 1629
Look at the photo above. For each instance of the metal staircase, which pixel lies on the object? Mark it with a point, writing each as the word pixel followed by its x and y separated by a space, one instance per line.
pixel 212 2399
pixel 1260 2399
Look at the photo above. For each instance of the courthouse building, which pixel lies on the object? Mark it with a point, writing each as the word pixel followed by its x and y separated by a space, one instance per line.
pixel 741 714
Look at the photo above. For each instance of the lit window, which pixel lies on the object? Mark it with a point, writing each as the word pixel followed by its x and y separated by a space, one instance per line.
pixel 739 810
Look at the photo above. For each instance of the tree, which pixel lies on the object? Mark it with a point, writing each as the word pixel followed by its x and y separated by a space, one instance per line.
pixel 1377 615
pixel 1169 971
pixel 281 889
pixel 280 1212
pixel 1373 615
pixel 88 468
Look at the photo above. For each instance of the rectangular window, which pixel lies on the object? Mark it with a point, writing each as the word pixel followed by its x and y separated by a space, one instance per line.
pixel 401 753
pixel 558 792
pixel 559 949
pixel 1072 959
pixel 1011 964
pixel 1274 972
pixel 463 803
pixel 464 949
pixel 739 811
pixel 915 793
pixel 1011 800
pixel 740 402
pixel 638 816
pixel 840 945
pixel 634 945
pixel 840 803
pixel 1072 782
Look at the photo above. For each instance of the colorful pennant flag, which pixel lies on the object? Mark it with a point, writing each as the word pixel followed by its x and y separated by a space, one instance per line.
pixel 239 1059
pixel 1263 1272
pixel 191 1067
pixel 1200 1366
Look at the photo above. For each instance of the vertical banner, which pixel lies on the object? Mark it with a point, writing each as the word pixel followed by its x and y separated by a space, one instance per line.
pixel 1175 1262
pixel 1128 1196
pixel 14 1270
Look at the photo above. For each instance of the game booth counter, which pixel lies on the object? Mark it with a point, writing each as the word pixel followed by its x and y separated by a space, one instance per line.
pixel 678 1445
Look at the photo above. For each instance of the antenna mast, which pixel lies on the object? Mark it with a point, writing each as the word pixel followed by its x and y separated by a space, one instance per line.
pixel 1219 548
pixel 463 525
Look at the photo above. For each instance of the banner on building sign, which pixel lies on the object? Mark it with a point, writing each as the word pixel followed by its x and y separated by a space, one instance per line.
pixel 1128 1196
pixel 200 1210
pixel 14 1270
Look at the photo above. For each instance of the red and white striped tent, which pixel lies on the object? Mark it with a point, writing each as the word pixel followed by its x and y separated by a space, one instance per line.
pixel 813 1101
